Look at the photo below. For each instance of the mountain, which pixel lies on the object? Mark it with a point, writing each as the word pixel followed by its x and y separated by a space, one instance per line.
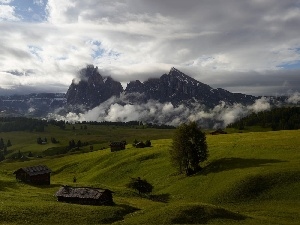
pixel 92 89
pixel 177 88
pixel 31 105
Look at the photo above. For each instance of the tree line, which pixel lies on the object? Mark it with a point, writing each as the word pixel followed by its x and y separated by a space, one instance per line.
pixel 3 148
pixel 9 124
pixel 284 118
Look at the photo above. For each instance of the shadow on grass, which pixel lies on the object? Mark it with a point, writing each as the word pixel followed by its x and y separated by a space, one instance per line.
pixel 8 184
pixel 204 215
pixel 165 198
pixel 120 215
pixel 226 164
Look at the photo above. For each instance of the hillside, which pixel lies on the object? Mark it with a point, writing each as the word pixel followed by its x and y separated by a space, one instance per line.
pixel 250 178
pixel 283 118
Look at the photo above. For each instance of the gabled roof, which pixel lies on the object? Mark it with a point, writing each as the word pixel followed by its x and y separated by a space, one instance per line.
pixel 35 170
pixel 80 192
pixel 117 144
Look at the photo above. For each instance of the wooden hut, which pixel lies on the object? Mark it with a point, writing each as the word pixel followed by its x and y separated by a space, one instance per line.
pixel 140 145
pixel 84 195
pixel 218 131
pixel 35 174
pixel 117 146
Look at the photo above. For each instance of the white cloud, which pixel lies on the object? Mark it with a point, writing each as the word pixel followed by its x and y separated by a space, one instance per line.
pixel 7 13
pixel 294 98
pixel 260 105
pixel 244 43
pixel 38 2
pixel 6 1
pixel 119 109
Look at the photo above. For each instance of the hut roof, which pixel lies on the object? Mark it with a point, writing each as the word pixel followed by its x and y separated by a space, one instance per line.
pixel 35 170
pixel 117 144
pixel 80 192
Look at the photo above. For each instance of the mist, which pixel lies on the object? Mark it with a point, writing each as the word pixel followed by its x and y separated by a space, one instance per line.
pixel 121 110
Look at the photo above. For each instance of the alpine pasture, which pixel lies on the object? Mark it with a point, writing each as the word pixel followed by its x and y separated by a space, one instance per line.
pixel 249 178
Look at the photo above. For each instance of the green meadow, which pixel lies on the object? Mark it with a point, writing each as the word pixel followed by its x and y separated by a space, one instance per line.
pixel 249 178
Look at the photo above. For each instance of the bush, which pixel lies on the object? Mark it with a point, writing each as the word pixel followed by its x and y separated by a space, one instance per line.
pixel 142 186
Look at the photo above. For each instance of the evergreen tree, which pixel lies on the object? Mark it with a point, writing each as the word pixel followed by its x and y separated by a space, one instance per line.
pixel 2 157
pixel 39 140
pixel 5 150
pixel 19 156
pixel 148 143
pixel 8 143
pixel 1 144
pixel 189 148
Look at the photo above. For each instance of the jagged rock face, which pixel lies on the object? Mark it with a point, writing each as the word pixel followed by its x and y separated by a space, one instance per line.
pixel 176 87
pixel 92 89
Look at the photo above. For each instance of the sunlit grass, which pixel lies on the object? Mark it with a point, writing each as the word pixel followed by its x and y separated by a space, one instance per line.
pixel 249 178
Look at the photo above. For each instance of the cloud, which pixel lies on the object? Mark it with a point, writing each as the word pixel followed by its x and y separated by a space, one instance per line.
pixel 120 110
pixel 5 1
pixel 245 46
pixel 7 13
pixel 38 2
pixel 294 98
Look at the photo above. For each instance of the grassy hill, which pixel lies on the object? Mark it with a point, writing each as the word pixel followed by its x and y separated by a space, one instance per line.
pixel 250 178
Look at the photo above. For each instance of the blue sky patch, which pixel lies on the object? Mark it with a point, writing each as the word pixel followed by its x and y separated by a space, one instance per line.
pixel 290 66
pixel 30 10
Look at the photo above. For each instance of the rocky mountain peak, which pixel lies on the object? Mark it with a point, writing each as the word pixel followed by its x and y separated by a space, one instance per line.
pixel 92 89
pixel 177 87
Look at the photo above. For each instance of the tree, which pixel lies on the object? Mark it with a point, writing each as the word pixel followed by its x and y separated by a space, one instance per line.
pixel 142 186
pixel 148 143
pixel 5 150
pixel 8 143
pixel 79 144
pixel 39 140
pixel 189 148
pixel 2 157
pixel 1 143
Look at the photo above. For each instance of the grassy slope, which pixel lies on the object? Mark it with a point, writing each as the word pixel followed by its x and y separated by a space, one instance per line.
pixel 251 178
pixel 98 136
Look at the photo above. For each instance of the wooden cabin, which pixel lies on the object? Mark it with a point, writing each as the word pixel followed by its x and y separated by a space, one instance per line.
pixel 218 131
pixel 84 195
pixel 117 146
pixel 140 145
pixel 35 175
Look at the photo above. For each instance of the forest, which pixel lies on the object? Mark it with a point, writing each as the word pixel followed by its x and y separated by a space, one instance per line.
pixel 284 118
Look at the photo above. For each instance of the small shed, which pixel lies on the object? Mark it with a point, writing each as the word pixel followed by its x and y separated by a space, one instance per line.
pixel 35 174
pixel 140 145
pixel 117 146
pixel 84 195
pixel 218 131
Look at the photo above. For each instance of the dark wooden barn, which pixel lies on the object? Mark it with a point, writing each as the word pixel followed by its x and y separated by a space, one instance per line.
pixel 218 131
pixel 84 195
pixel 117 146
pixel 140 145
pixel 35 174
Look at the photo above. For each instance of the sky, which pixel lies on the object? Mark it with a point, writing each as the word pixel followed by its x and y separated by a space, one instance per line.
pixel 251 47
